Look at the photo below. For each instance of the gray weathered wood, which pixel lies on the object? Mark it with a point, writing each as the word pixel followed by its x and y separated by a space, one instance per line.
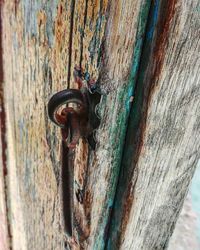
pixel 185 235
pixel 42 42
pixel 162 144
pixel 4 206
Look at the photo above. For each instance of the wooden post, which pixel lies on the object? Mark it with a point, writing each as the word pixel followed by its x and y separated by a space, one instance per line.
pixel 162 149
pixel 42 41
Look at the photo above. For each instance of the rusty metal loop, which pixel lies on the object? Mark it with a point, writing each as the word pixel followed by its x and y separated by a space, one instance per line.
pixel 61 98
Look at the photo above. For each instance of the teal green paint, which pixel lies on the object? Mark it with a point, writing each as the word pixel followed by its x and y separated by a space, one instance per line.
pixel 133 124
pixel 137 51
pixel 117 130
pixel 81 30
pixel 153 20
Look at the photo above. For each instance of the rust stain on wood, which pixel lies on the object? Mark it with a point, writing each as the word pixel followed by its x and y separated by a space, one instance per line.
pixel 83 202
pixel 168 11
pixel 16 3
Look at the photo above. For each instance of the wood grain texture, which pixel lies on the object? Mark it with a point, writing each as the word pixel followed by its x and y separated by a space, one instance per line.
pixel 42 42
pixel 5 229
pixel 118 82
pixel 162 143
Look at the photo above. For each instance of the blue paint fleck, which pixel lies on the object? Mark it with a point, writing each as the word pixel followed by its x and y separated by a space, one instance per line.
pixel 110 203
pixel 108 245
pixel 87 76
pixel 95 41
pixel 153 20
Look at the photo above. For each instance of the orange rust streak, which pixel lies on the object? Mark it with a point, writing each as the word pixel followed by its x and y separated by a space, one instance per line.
pixel 162 38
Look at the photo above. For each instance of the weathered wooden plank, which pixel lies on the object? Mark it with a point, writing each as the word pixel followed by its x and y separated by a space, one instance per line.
pixel 123 44
pixel 185 235
pixel 5 239
pixel 162 143
pixel 42 43
pixel 29 75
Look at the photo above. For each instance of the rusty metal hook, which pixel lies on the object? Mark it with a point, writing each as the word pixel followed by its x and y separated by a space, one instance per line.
pixel 64 97
pixel 74 111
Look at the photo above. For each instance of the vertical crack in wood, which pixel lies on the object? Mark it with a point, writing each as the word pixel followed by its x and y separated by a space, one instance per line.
pixel 16 3
pixel 71 40
pixel 83 33
pixel 3 137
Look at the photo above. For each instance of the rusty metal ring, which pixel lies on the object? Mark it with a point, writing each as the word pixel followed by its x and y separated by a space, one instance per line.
pixel 61 98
